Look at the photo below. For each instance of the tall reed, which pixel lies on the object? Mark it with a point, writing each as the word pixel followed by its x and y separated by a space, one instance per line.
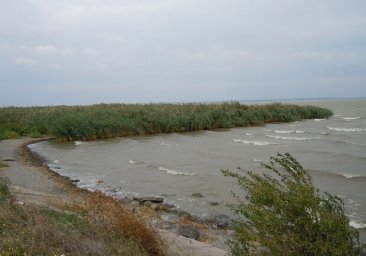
pixel 100 121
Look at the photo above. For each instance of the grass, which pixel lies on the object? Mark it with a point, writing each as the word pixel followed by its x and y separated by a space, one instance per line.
pixel 68 123
pixel 101 226
pixel 2 164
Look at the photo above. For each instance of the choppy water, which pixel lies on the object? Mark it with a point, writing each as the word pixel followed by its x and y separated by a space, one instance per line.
pixel 178 165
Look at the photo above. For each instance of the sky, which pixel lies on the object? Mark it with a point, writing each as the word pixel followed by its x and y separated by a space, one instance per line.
pixel 78 52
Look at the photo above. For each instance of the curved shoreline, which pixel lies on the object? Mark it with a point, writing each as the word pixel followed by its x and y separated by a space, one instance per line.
pixel 150 212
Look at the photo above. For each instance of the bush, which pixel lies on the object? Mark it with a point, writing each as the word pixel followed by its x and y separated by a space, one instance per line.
pixel 4 189
pixel 286 214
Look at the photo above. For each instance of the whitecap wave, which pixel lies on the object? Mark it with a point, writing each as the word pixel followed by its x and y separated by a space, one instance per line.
pixel 350 118
pixel 258 160
pixel 175 172
pixel 346 129
pixel 132 162
pixel 288 138
pixel 284 131
pixel 318 119
pixel 351 175
pixel 249 134
pixel 256 143
pixel 288 131
pixel 165 145
pixel 78 143
pixel 357 225
pixel 294 125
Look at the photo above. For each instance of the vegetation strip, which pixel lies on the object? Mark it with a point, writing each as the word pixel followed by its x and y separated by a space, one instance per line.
pixel 67 123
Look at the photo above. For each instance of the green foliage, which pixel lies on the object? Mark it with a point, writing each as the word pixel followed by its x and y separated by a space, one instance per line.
pixel 4 189
pixel 287 215
pixel 2 164
pixel 113 120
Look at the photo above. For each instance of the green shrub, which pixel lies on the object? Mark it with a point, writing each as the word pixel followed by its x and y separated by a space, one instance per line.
pixel 287 215
pixel 4 189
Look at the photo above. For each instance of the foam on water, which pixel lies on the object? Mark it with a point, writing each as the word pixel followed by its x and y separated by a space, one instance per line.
pixel 249 134
pixel 289 131
pixel 256 143
pixel 289 138
pixel 357 225
pixel 294 125
pixel 337 129
pixel 175 172
pixel 350 118
pixel 351 175
pixel 318 119
pixel 132 162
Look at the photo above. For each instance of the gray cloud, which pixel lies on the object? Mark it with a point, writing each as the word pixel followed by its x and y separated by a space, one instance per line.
pixel 82 52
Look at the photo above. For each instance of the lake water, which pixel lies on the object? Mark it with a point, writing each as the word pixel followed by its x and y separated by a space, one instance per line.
pixel 178 165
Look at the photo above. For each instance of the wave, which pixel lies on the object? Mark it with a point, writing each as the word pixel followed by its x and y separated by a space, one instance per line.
pixel 258 160
pixel 346 129
pixel 350 118
pixel 288 138
pixel 294 125
pixel 249 134
pixel 174 172
pixel 349 176
pixel 256 143
pixel 165 145
pixel 288 131
pixel 78 143
pixel 357 225
pixel 318 119
pixel 132 162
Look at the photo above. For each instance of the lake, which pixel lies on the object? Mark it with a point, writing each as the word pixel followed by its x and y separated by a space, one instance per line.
pixel 185 168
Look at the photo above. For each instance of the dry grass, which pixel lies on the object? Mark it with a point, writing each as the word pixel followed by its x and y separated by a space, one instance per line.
pixel 111 217
pixel 103 227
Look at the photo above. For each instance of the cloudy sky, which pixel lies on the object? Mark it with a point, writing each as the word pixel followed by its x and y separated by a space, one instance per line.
pixel 90 51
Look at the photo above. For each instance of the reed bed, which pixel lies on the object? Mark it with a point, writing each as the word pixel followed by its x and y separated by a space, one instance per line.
pixel 68 123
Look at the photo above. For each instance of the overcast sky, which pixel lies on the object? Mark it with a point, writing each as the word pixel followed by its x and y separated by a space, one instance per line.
pixel 88 51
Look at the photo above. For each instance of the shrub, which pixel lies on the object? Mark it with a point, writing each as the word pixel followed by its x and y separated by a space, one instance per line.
pixel 4 189
pixel 287 215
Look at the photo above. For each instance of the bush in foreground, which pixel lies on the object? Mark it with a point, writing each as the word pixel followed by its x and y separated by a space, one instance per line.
pixel 286 214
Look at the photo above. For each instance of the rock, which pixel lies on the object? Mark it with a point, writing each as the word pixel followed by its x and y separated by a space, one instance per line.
pixel 8 160
pixel 169 217
pixel 222 221
pixel 188 231
pixel 152 199
pixel 166 225
pixel 197 195
pixel 99 181
pixel 169 206
pixel 213 203
pixel 75 180
pixel 126 200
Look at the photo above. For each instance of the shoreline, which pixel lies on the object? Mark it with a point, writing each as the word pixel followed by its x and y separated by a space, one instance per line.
pixel 165 219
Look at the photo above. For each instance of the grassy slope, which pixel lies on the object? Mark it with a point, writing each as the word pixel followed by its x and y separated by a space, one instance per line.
pixel 100 226
pixel 112 120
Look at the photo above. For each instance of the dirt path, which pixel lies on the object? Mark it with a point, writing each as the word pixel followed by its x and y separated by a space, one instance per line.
pixel 32 183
